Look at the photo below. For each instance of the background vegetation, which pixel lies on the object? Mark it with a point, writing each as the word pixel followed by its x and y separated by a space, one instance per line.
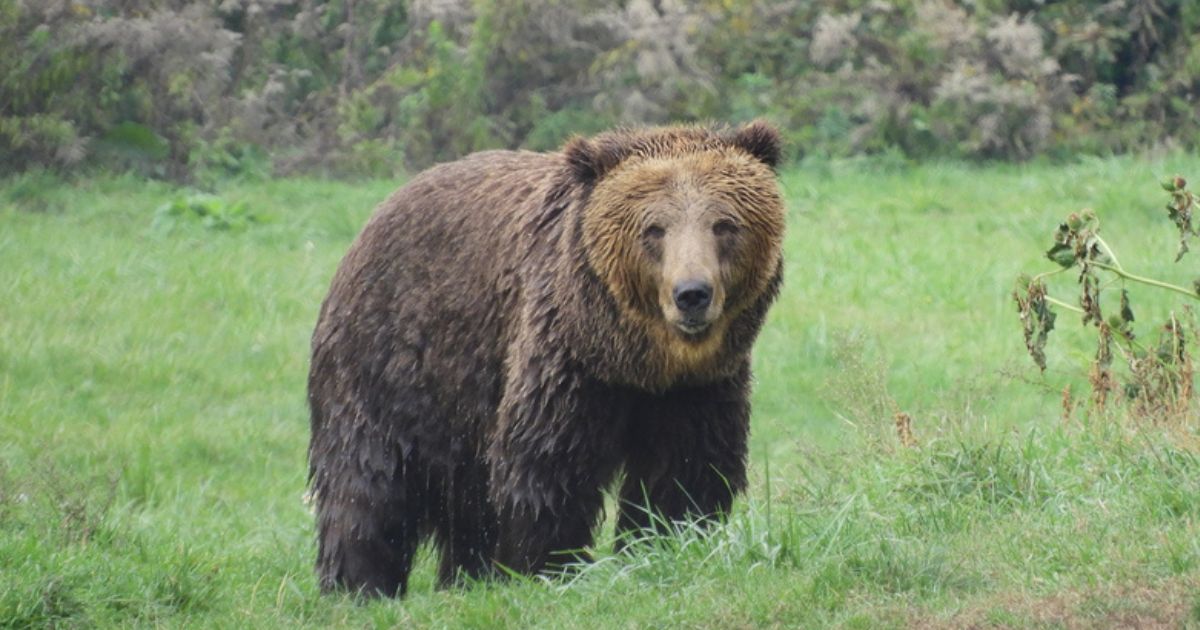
pixel 153 423
pixel 195 90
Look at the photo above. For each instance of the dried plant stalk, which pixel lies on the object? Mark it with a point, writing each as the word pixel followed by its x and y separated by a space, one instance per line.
pixel 1160 382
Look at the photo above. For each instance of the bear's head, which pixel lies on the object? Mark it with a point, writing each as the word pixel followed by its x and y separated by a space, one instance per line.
pixel 683 224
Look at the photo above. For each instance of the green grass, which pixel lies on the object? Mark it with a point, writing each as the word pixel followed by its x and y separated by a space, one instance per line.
pixel 153 425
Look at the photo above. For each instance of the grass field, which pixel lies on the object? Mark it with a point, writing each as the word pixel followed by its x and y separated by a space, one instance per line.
pixel 153 425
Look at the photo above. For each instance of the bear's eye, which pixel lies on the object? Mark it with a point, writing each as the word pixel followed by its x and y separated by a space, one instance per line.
pixel 653 233
pixel 725 227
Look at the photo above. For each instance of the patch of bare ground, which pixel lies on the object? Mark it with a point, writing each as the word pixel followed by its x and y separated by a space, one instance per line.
pixel 1173 604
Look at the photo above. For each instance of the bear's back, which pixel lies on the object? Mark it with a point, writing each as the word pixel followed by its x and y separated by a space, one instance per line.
pixel 423 302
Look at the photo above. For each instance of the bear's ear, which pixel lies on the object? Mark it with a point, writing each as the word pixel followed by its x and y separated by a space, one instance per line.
pixel 590 160
pixel 761 140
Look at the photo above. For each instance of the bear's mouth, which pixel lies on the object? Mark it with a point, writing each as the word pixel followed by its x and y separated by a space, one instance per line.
pixel 692 327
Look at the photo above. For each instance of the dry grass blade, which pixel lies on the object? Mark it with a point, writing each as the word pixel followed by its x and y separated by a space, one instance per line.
pixel 904 430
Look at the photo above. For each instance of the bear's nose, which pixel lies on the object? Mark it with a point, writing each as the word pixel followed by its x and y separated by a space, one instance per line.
pixel 692 296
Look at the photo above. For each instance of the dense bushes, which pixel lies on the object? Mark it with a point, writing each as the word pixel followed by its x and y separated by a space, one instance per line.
pixel 203 89
pixel 999 78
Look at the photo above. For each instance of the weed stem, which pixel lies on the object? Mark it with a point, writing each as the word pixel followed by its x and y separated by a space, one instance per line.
pixel 1148 281
pixel 1047 274
pixel 1111 253
pixel 1062 304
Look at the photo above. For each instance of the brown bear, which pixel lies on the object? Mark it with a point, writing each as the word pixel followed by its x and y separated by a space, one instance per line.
pixel 513 330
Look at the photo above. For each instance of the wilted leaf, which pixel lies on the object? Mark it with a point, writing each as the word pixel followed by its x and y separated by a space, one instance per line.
pixel 1126 312
pixel 1179 210
pixel 1089 299
pixel 1062 254
pixel 1037 320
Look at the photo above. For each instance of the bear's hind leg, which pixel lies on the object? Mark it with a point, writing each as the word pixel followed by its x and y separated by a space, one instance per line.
pixel 369 530
pixel 466 529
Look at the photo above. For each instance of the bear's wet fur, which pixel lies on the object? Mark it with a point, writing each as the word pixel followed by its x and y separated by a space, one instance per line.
pixel 506 336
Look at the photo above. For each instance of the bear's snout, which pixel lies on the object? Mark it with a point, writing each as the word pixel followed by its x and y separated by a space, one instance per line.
pixel 692 297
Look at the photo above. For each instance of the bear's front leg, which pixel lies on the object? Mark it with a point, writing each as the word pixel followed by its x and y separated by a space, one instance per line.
pixel 554 450
pixel 533 541
pixel 687 455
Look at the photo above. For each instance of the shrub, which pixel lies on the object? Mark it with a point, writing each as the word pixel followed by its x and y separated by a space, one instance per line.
pixel 197 91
